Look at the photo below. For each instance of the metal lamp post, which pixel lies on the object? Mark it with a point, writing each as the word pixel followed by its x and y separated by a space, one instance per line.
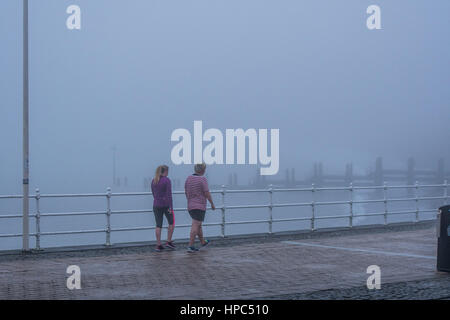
pixel 25 181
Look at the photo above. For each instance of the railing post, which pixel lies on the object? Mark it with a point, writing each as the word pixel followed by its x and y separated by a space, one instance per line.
pixel 270 208
pixel 417 200
pixel 445 192
pixel 351 204
pixel 313 214
pixel 38 220
pixel 385 202
pixel 108 217
pixel 223 211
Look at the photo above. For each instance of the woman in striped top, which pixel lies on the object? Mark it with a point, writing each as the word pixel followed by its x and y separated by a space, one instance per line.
pixel 197 192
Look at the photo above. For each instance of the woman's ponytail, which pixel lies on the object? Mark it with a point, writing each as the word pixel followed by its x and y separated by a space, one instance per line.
pixel 159 171
pixel 157 175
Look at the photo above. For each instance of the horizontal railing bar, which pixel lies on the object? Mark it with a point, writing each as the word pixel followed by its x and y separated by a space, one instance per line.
pixel 432 198
pixel 390 212
pixel 428 210
pixel 55 233
pixel 132 229
pixel 13 196
pixel 246 222
pixel 151 210
pixel 147 193
pixel 300 204
pixel 231 191
pixel 401 199
pixel 368 201
pixel 153 227
pixel 414 199
pixel 246 190
pixel 131 211
pixel 402 212
pixel 326 203
pixel 425 220
pixel 368 214
pixel 249 206
pixel 292 219
pixel 12 216
pixel 144 193
pixel 432 185
pixel 333 217
pixel 11 235
pixel 72 195
pixel 333 189
pixel 292 189
pixel 409 186
pixel 370 187
pixel 63 214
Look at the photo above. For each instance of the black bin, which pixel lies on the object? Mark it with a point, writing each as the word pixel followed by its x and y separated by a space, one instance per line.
pixel 443 233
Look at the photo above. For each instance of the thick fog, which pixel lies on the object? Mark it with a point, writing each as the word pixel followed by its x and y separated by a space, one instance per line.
pixel 138 70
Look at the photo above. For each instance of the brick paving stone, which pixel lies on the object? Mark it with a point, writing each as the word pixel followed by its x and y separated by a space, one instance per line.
pixel 274 267
pixel 411 290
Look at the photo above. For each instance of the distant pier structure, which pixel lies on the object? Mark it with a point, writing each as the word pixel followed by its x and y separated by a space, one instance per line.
pixel 374 177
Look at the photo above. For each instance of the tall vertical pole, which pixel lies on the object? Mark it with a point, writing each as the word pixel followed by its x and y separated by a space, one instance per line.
pixel 25 181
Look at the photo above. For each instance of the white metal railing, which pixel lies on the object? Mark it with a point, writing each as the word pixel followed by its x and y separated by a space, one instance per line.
pixel 108 212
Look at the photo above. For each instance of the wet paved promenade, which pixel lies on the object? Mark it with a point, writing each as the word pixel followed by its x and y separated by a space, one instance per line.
pixel 294 266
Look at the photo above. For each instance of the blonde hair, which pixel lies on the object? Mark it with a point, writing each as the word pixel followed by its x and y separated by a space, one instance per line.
pixel 159 171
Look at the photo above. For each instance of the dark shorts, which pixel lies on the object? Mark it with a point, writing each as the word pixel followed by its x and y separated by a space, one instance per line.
pixel 159 213
pixel 197 214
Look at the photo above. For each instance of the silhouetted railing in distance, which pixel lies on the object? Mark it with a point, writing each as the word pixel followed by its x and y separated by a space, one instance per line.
pixel 223 208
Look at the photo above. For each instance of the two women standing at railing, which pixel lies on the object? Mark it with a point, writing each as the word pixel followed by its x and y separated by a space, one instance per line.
pixel 163 205
pixel 197 192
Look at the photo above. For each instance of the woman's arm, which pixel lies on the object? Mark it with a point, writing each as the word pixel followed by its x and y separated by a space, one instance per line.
pixel 207 193
pixel 208 196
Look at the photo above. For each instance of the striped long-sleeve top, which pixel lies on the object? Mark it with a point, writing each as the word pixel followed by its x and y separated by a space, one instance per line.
pixel 196 188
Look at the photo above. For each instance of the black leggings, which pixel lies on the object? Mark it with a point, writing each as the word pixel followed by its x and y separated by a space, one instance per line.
pixel 159 213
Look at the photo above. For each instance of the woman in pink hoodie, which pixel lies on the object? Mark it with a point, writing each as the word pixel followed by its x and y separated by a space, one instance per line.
pixel 163 205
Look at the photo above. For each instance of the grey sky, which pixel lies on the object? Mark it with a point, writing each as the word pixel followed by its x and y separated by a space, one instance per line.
pixel 139 69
